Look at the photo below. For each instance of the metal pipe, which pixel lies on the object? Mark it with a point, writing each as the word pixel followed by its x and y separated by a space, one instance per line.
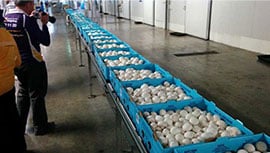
pixel 209 19
pixel 129 9
pixel 166 15
pixel 154 12
pixel 100 7
pixel 115 7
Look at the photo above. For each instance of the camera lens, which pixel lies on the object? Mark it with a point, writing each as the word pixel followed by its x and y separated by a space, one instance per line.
pixel 52 19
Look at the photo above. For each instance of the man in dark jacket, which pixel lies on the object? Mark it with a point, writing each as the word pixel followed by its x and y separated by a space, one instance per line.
pixel 12 135
pixel 32 74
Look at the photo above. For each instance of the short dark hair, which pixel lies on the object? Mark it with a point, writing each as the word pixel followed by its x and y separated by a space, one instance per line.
pixel 22 2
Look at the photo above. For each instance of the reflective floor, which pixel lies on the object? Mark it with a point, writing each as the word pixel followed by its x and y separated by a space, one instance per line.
pixel 231 77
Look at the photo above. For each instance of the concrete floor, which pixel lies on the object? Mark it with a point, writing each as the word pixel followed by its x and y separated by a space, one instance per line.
pixel 232 78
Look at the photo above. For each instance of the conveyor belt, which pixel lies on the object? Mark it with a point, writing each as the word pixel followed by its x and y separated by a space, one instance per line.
pixel 110 93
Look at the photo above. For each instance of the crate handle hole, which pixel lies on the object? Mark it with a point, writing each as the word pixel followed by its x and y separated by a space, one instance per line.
pixel 149 145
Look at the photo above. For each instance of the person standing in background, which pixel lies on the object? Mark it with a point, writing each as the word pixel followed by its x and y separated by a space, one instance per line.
pixel 46 5
pixel 41 6
pixel 32 74
pixel 12 134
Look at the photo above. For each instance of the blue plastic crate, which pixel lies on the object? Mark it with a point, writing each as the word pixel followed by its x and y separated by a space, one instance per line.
pixel 96 31
pixel 104 41
pixel 227 144
pixel 91 29
pixel 82 25
pixel 92 39
pixel 98 50
pixel 103 37
pixel 132 108
pixel 100 37
pixel 87 34
pixel 125 98
pixel 85 25
pixel 130 50
pixel 96 34
pixel 153 144
pixel 116 83
pixel 119 42
pixel 99 31
pixel 123 44
pixel 106 70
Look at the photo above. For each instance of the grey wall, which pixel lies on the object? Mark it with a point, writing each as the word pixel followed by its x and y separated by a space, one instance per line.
pixel 243 24
pixel 137 10
pixel 240 23
pixel 124 9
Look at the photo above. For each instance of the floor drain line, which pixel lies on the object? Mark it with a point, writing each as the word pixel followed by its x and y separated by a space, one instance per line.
pixel 196 53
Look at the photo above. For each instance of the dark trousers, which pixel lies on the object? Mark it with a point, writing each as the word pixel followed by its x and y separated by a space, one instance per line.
pixel 12 134
pixel 33 84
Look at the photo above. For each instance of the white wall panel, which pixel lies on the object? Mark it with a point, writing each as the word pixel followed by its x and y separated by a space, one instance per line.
pixel 242 24
pixel 160 6
pixel 106 6
pixel 148 11
pixel 177 15
pixel 124 10
pixel 137 10
pixel 197 17
pixel 109 7
pixel 261 21
pixel 103 3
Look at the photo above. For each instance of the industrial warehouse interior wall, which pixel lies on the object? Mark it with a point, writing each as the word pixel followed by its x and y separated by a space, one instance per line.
pixel 243 24
pixel 148 16
pixel 197 18
pixel 191 17
pixel 124 9
pixel 137 10
pixel 109 6
pixel 177 15
pixel 160 13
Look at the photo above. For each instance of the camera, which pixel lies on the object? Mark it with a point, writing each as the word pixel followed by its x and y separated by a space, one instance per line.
pixel 36 15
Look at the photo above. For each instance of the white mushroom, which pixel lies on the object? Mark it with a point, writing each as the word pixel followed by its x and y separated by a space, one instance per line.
pixel 249 147
pixel 242 151
pixel 261 146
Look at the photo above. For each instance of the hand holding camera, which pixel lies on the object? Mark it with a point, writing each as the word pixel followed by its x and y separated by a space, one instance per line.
pixel 43 16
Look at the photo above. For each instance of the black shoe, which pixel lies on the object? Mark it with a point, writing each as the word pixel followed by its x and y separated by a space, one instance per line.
pixel 42 130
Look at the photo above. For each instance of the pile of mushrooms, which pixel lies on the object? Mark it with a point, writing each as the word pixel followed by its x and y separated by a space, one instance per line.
pixel 113 53
pixel 188 126
pixel 123 61
pixel 147 94
pixel 105 41
pixel 133 74
pixel 106 46
pixel 100 37
pixel 96 33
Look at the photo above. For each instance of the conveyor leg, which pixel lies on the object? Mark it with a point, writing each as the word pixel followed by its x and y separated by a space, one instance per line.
pixel 76 39
pixel 90 77
pixel 117 128
pixel 80 49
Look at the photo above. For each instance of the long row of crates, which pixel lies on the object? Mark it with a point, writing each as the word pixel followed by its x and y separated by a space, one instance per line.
pixel 169 116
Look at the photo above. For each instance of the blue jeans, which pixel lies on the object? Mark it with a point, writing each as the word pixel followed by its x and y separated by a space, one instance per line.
pixel 33 84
